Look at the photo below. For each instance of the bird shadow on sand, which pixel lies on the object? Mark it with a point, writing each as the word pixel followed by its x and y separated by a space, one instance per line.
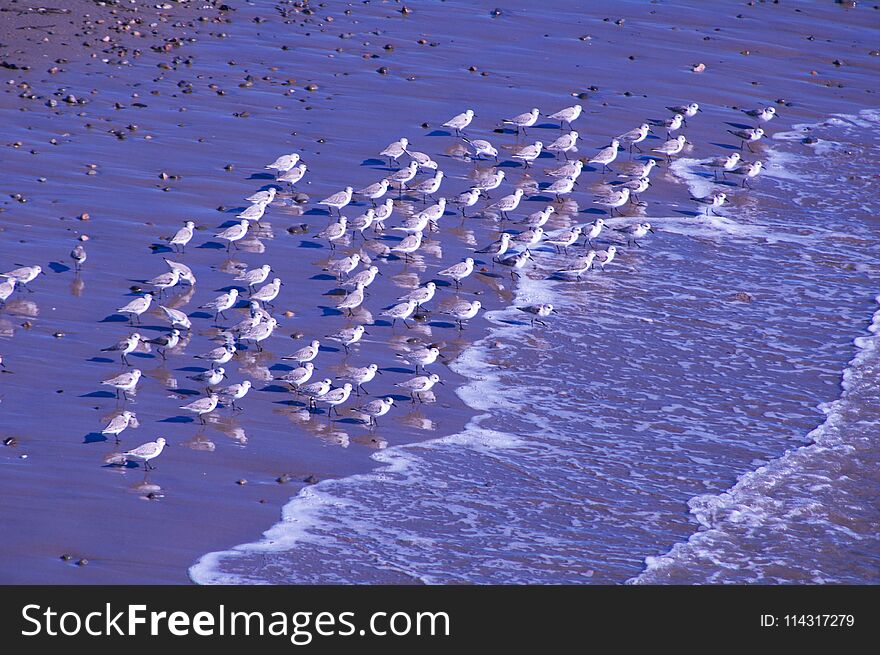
pixel 162 248
pixel 726 146
pixel 330 311
pixel 261 176
pixel 275 388
pixel 314 245
pixel 211 245
pixel 101 360
pixel 397 369
pixel 687 212
pixel 177 419
pixel 98 394
pixel 94 437
pixel 58 267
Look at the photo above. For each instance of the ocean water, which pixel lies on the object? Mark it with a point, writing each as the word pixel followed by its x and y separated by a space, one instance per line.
pixel 704 411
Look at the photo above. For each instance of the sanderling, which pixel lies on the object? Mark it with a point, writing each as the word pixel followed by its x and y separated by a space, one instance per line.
pixel 724 164
pixel 264 196
pixel 165 281
pixel 183 236
pixel 606 155
pixel 254 276
pixel 482 147
pixel 463 311
pixel 284 163
pixel 375 408
pixel 306 353
pixel 419 385
pixel 333 232
pixel 764 114
pixel 236 392
pixel 315 390
pixel 420 357
pixel 508 203
pixel 497 247
pixel 467 199
pixel 266 294
pixel 186 274
pixel 202 406
pixel 256 314
pixel 529 153
pixel 364 277
pixel 711 202
pixel 293 176
pixel 259 332
pixel 219 355
pixel 538 312
pixel 125 346
pixel 338 200
pixel 529 237
pixel 634 232
pixel 538 219
pixel 137 307
pixel 613 200
pixel 672 147
pixel 145 452
pixel 672 124
pixel 401 176
pixel 422 160
pixel 6 289
pixel 400 311
pixel 348 336
pixel 165 342
pixel 210 377
pixel 119 423
pixel 362 222
pixel 221 303
pixel 487 183
pixel 79 256
pixel 395 150
pixel 565 143
pixel 24 275
pixel 343 266
pixel 298 376
pixel 579 266
pixel 374 191
pixel 421 295
pixel 459 271
pixel 458 123
pixel 567 115
pixel 605 257
pixel 523 121
pixel 595 230
pixel 564 239
pixel 415 223
pixel 254 212
pixel 636 186
pixel 515 261
pixel 635 137
pixel 409 245
pixel 748 171
pixel 234 233
pixel 360 376
pixel 124 382
pixel 561 187
pixel 176 317
pixel 747 137
pixel 637 169
pixel 335 397
pixel 429 187
pixel 687 111
pixel 569 169
pixel 435 212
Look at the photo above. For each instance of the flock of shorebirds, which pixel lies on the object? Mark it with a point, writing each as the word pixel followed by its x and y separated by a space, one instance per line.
pixel 420 178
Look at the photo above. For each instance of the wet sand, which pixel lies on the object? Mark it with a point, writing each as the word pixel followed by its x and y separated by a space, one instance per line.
pixel 240 100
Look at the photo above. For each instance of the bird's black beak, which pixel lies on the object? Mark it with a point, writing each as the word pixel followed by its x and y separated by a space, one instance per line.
pixel 651 230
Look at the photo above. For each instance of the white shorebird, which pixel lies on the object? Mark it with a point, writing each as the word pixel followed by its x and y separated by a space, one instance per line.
pixel 333 232
pixel 748 171
pixel 419 385
pixel 362 222
pixel 374 191
pixel 508 203
pixel 637 169
pixel 422 160
pixel 540 218
pixel 529 153
pixel 561 187
pixel 293 176
pixel 165 280
pixel 124 382
pixel 352 300
pixel 711 202
pixel 219 355
pixel 497 247
pixel 538 312
pixel 315 390
pixel 165 342
pixel 395 150
pixel 458 123
pixel 127 345
pixel 429 187
pixel 306 353
pixel 400 177
pixel 522 121
pixel 435 212
pixel 298 376
pixel 210 377
pixel 489 182
pixel 265 196
pixel 338 200
pixel 482 147
pixel 686 111
pixel 183 236
pixel 595 230
pixel 636 186
pixel 606 155
pixel 672 147
pixel 635 137
pixel 529 237
pixel 459 271
pixel 568 169
pixel 24 275
pixel 221 303
pixel 564 239
pixel 579 266
pixel 421 295
pixel 235 392
pixel 567 115
pixel 565 143
pixel 672 124
pixel 421 357
pixel 335 397
pixel 202 406
pixel 464 310
pixel 259 332
pixel 364 277
pixel 613 200
pixel 6 289
pixel 467 199
pixel 254 213
pixel 635 232
pixel 186 274
pixel 415 223
pixel 409 245
pixel 360 376
pixel 343 266
pixel 176 317
pixel 145 452
pixel 748 137
pixel 763 114
pixel 515 261
pixel 269 292
pixel 137 307
pixel 605 257
pixel 400 311
pixel 254 276
pixel 119 423
pixel 348 336
pixel 724 164
pixel 375 408
pixel 234 233
pixel 284 163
